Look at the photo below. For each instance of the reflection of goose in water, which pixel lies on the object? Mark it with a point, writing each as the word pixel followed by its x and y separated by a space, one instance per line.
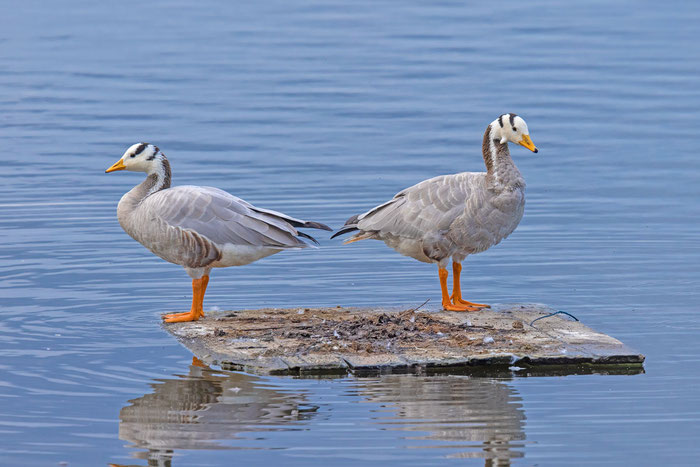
pixel 198 410
pixel 214 410
pixel 481 418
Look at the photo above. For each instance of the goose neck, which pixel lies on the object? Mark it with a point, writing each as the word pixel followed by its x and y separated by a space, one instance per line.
pixel 158 179
pixel 499 164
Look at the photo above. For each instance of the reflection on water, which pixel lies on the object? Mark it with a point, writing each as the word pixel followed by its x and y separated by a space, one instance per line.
pixel 202 408
pixel 209 409
pixel 475 417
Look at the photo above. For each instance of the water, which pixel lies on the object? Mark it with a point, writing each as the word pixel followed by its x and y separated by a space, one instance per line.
pixel 322 110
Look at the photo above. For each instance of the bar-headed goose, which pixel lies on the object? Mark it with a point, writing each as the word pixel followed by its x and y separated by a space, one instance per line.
pixel 453 216
pixel 199 227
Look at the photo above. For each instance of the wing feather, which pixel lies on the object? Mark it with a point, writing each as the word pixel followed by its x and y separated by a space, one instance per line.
pixel 222 217
pixel 429 206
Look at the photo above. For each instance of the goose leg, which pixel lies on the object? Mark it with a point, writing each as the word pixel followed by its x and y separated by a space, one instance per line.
pixel 199 363
pixel 457 289
pixel 199 286
pixel 446 303
pixel 205 282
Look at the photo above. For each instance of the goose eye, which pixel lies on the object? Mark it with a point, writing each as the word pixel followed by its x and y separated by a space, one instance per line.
pixel 133 155
pixel 515 129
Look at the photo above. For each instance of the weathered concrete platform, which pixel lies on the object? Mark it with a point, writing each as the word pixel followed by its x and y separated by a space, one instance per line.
pixel 308 341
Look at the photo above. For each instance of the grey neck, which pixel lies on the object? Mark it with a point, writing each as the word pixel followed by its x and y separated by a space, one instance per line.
pixel 500 168
pixel 155 181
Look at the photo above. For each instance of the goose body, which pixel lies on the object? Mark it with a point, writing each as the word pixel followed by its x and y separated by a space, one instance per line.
pixel 199 227
pixel 453 216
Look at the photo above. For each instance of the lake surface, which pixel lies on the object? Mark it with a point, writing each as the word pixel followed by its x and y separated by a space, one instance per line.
pixel 322 110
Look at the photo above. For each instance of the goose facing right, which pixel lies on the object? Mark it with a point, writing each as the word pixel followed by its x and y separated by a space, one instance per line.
pixel 453 216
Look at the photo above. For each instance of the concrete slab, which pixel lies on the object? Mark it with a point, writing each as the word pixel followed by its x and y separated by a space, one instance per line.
pixel 320 341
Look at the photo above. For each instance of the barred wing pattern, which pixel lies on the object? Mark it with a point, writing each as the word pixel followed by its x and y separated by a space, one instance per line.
pixel 431 205
pixel 222 217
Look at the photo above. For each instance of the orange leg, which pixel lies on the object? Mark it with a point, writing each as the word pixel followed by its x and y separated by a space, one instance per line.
pixel 205 282
pixel 199 286
pixel 446 304
pixel 457 289
pixel 198 362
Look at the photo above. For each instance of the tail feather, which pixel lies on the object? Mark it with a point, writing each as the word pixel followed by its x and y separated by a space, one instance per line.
pixel 353 220
pixel 314 225
pixel 307 236
pixel 344 230
pixel 350 226
pixel 308 225
pixel 292 220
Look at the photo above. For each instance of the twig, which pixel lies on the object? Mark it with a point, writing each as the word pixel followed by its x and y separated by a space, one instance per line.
pixel 419 306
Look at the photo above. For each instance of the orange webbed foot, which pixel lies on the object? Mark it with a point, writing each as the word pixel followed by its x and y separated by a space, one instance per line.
pixel 199 286
pixel 461 301
pixel 199 363
pixel 456 297
pixel 173 315
pixel 457 307
pixel 187 313
pixel 181 317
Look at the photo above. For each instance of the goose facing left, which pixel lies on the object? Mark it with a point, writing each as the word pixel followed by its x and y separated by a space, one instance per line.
pixel 199 227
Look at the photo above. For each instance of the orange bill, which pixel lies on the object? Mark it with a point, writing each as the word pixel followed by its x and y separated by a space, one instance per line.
pixel 527 142
pixel 119 165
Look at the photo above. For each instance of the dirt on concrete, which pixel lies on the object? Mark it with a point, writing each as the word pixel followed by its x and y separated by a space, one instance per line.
pixel 321 330
pixel 277 341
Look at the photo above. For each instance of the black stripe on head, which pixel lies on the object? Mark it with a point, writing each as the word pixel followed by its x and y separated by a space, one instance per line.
pixel 155 153
pixel 500 121
pixel 140 148
pixel 512 119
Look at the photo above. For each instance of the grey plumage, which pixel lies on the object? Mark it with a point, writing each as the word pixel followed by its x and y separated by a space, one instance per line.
pixel 203 227
pixel 450 215
pixel 221 217
pixel 199 227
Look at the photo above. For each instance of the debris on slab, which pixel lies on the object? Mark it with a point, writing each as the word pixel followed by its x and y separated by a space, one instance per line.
pixel 362 340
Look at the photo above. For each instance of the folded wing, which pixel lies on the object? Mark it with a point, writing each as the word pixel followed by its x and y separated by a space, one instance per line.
pixel 429 206
pixel 225 219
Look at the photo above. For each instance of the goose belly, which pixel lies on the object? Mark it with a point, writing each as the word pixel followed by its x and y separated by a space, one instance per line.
pixel 239 255
pixel 410 247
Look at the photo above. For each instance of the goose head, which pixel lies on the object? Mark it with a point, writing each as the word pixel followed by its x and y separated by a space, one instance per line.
pixel 511 127
pixel 140 157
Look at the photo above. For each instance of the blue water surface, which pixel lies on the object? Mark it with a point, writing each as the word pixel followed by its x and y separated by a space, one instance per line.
pixel 322 110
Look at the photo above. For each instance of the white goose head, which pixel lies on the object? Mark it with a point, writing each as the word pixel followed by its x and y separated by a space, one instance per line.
pixel 511 127
pixel 140 157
